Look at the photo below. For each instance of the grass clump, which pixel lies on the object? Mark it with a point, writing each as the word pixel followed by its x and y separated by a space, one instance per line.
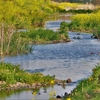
pixel 43 35
pixel 46 35
pixel 11 74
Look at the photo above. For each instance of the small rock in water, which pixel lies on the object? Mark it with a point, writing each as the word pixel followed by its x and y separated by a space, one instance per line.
pixel 66 94
pixel 91 53
pixel 68 80
pixel 39 93
pixel 78 33
pixel 74 37
pixel 58 96
pixel 78 37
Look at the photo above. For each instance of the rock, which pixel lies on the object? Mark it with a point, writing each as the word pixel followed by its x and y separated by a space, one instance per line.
pixel 78 33
pixel 94 36
pixel 91 53
pixel 58 96
pixel 66 94
pixel 74 37
pixel 78 37
pixel 39 93
pixel 68 80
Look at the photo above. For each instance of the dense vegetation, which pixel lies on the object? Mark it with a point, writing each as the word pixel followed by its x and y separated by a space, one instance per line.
pixel 19 14
pixel 12 74
pixel 80 11
pixel 41 36
pixel 47 36
pixel 31 13
pixel 86 22
pixel 23 14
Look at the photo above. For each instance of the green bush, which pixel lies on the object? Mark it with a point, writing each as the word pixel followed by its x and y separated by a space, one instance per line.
pixel 64 29
pixel 42 35
pixel 85 22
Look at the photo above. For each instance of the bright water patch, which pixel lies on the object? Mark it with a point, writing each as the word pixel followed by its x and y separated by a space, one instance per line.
pixel 53 25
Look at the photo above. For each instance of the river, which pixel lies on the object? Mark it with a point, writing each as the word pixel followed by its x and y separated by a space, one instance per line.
pixel 74 60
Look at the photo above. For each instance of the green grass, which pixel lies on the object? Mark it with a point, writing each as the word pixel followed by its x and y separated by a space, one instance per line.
pixel 43 35
pixel 12 74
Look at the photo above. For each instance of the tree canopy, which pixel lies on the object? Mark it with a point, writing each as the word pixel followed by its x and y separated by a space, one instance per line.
pixel 24 13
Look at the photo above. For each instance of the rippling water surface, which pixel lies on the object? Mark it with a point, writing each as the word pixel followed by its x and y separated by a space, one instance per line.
pixel 73 60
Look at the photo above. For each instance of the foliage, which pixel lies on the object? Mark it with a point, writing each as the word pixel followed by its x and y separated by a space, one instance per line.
pixel 80 11
pixel 12 74
pixel 31 13
pixel 61 7
pixel 11 41
pixel 20 14
pixel 24 14
pixel 64 29
pixel 86 22
pixel 44 35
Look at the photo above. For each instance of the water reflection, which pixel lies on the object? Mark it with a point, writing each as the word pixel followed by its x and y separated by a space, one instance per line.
pixel 35 94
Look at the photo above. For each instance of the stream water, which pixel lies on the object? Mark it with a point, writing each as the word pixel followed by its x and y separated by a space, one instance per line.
pixel 74 60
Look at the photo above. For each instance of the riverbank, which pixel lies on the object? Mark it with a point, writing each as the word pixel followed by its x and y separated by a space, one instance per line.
pixel 14 78
pixel 88 88
pixel 36 85
pixel 48 36
pixel 51 42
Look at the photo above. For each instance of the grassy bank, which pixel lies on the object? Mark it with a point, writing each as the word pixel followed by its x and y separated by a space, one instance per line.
pixel 86 23
pixel 42 36
pixel 39 36
pixel 88 88
pixel 12 77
